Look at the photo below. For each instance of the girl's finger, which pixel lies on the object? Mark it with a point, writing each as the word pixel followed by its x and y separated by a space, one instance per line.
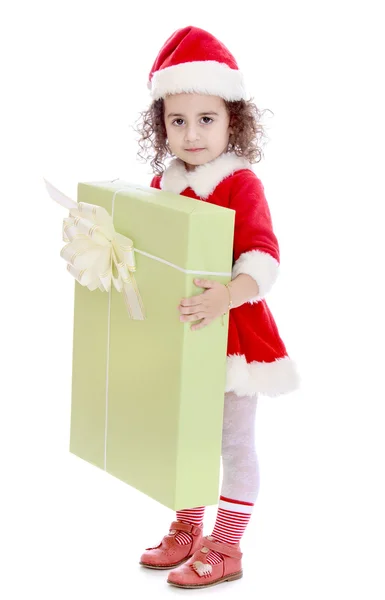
pixel 204 283
pixel 194 317
pixel 190 310
pixel 200 325
pixel 193 301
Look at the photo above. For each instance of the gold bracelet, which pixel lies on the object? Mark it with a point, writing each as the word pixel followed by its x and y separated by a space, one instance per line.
pixel 227 285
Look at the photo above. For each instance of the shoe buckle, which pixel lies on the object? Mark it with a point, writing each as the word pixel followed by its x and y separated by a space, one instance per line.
pixel 195 530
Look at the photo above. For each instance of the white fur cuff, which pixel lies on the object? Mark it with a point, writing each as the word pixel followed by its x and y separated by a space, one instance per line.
pixel 269 379
pixel 261 266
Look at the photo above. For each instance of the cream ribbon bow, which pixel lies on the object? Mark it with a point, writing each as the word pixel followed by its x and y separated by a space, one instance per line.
pixel 96 254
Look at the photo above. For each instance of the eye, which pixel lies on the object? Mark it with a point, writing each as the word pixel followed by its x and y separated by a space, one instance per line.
pixel 178 122
pixel 207 120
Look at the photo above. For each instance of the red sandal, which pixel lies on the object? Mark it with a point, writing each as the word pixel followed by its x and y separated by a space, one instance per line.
pixel 169 554
pixel 198 573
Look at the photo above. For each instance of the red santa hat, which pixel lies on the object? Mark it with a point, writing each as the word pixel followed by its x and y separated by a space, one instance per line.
pixel 193 60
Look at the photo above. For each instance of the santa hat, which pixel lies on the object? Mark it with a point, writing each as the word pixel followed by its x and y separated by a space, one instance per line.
pixel 193 60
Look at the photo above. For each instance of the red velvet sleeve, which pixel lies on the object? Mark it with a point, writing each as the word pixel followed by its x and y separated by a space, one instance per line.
pixel 256 249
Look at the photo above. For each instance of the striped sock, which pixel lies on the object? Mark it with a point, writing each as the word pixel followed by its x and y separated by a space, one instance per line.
pixel 193 516
pixel 232 519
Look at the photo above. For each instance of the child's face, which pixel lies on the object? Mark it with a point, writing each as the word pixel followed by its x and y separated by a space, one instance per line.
pixel 197 127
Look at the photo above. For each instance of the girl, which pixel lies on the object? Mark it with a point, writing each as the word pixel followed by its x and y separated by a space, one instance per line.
pixel 200 115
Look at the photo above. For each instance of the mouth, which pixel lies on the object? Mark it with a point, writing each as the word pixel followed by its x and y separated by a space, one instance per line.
pixel 194 149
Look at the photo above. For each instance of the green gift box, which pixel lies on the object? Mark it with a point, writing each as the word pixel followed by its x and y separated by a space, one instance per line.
pixel 147 395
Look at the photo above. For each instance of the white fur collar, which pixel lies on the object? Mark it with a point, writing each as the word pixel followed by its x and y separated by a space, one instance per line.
pixel 205 178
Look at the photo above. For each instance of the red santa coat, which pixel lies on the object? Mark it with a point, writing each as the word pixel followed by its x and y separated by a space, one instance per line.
pixel 257 360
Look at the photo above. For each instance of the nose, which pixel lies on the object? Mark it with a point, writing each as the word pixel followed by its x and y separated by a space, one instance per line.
pixel 191 133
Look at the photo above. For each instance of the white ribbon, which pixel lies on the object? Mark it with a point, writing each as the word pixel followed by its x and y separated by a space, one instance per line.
pixel 68 203
pixel 96 254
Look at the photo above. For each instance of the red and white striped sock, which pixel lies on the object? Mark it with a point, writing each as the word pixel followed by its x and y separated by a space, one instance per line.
pixel 193 516
pixel 232 519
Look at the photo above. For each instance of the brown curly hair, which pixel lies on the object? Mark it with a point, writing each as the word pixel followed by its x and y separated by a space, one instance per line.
pixel 245 141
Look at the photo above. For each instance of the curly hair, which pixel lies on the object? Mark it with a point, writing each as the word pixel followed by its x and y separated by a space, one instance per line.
pixel 245 141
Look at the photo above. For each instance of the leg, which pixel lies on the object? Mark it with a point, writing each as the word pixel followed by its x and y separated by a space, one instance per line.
pixel 192 516
pixel 240 462
pixel 240 485
pixel 219 557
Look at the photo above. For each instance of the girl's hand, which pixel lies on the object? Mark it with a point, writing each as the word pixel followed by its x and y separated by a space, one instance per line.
pixel 207 306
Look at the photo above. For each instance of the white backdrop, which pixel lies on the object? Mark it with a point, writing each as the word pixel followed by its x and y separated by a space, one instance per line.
pixel 74 78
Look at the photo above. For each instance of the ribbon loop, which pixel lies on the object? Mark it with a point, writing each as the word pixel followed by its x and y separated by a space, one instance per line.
pixel 96 254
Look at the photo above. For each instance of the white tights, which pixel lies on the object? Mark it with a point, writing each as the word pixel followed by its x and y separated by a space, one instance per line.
pixel 239 457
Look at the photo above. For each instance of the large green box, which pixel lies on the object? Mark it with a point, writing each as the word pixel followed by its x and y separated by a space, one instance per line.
pixel 147 395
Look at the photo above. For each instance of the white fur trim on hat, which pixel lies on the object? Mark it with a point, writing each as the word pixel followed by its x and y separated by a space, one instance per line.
pixel 262 267
pixel 270 379
pixel 202 77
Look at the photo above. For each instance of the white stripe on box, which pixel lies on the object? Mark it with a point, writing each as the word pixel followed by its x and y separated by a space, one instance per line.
pixel 186 271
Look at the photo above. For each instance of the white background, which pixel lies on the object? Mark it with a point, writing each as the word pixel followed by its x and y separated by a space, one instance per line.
pixel 74 79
